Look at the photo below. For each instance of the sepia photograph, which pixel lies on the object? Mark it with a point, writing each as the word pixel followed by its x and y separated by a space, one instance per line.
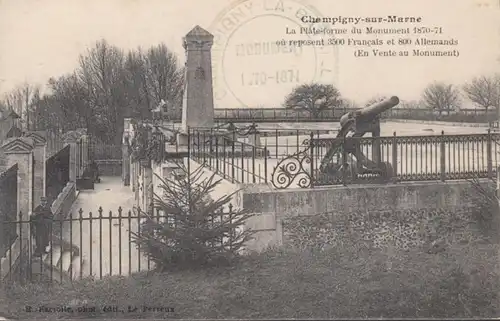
pixel 249 159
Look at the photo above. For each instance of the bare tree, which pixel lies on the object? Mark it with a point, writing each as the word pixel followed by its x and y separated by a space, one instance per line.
pixel 375 100
pixel 153 77
pixel 314 98
pixel 441 97
pixel 348 104
pixel 102 74
pixel 106 87
pixel 68 104
pixel 14 101
pixel 23 100
pixel 484 91
pixel 165 77
pixel 138 96
pixel 411 104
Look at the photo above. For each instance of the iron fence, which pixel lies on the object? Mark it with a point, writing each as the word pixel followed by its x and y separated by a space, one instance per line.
pixel 57 173
pixel 91 245
pixel 233 155
pixel 8 207
pixel 460 116
pixel 107 151
pixel 331 161
pixel 333 115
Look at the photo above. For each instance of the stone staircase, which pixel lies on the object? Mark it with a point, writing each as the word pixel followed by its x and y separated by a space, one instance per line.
pixel 61 264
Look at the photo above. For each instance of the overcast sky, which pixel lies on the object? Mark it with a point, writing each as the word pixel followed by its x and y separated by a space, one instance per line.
pixel 40 39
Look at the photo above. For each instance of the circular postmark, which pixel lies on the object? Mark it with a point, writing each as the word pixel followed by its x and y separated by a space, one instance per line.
pixel 250 68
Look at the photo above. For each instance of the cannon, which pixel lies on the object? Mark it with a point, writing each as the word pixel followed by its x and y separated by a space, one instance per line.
pixel 355 125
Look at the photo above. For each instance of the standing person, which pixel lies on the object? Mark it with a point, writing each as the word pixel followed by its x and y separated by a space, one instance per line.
pixel 41 226
pixel 94 168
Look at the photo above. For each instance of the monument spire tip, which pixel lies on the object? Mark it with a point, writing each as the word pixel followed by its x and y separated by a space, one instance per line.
pixel 198 32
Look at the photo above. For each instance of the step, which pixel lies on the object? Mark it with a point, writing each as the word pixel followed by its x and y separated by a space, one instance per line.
pixel 76 267
pixel 66 246
pixel 66 261
pixel 43 271
pixel 53 256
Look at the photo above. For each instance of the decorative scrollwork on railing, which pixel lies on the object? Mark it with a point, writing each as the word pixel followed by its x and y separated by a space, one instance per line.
pixel 293 168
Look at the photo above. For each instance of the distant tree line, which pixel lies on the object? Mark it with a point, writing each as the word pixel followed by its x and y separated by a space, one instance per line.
pixel 483 92
pixel 108 85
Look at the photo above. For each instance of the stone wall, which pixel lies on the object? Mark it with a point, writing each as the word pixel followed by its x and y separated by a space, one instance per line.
pixel 62 204
pixel 61 208
pixel 224 188
pixel 402 215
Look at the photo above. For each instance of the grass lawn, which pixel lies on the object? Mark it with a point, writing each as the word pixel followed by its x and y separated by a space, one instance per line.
pixel 462 281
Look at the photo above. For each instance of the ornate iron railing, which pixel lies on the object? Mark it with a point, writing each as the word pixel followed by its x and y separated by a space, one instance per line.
pixel 404 158
pixel 296 168
pixel 232 153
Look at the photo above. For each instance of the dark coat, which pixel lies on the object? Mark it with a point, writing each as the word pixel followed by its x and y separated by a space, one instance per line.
pixel 42 217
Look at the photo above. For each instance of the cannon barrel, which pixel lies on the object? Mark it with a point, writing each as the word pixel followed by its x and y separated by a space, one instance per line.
pixel 378 108
pixel 371 111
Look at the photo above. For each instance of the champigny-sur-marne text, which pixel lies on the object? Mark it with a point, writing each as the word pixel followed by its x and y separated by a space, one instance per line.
pixel 356 20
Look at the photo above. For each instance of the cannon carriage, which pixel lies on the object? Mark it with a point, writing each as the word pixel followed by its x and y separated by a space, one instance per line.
pixel 344 160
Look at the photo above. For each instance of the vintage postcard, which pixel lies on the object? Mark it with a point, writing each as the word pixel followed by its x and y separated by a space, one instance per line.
pixel 249 159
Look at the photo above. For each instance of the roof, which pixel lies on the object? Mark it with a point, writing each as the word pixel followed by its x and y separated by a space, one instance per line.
pixel 199 32
pixel 13 114
pixel 14 132
pixel 8 112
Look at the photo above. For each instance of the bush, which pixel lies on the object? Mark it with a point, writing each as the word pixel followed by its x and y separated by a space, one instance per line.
pixel 191 230
pixel 344 282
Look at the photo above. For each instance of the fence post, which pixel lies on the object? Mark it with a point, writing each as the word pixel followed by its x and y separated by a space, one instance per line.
pixel 489 154
pixel 344 161
pixel 39 156
pixel 71 138
pixel 19 150
pixel 216 154
pixel 277 142
pixel 443 158
pixel 242 163
pixel 311 154
pixel 189 146
pixel 395 157
pixel 265 162
pixel 253 164
pixel 204 142
pixel 198 147
pixel 224 156
pixel 85 139
pixel 147 184
pixel 126 154
pixel 233 143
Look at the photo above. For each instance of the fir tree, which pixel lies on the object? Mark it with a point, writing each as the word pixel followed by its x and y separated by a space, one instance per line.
pixel 189 229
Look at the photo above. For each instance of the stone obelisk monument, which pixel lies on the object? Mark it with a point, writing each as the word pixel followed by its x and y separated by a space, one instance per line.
pixel 198 100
